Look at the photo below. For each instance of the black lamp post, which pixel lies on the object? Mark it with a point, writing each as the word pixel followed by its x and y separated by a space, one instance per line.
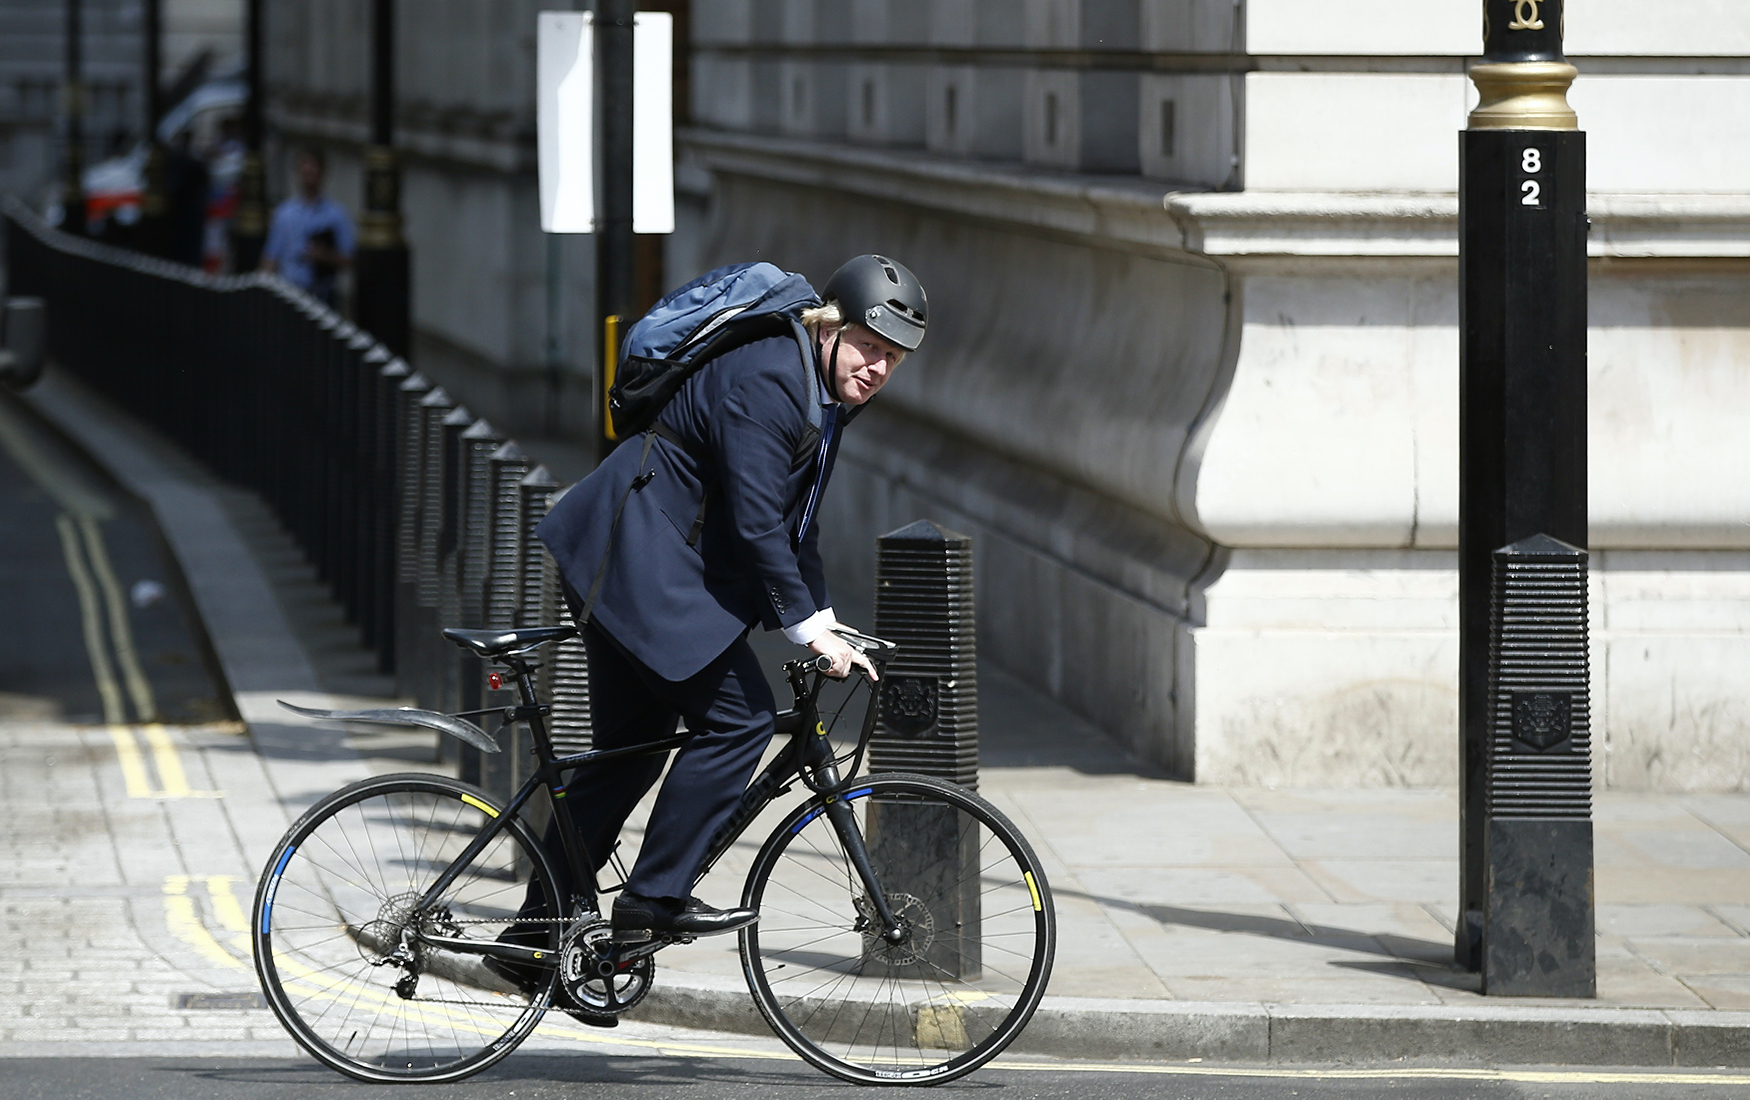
pixel 153 231
pixel 1525 900
pixel 249 225
pixel 73 103
pixel 382 302
pixel 614 241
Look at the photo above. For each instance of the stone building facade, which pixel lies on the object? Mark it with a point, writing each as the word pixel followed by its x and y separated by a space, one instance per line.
pixel 1192 382
pixel 1192 378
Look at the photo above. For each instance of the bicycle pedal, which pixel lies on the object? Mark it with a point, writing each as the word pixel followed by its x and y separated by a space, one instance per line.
pixel 632 936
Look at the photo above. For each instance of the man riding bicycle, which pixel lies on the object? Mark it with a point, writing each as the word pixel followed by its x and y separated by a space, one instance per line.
pixel 716 534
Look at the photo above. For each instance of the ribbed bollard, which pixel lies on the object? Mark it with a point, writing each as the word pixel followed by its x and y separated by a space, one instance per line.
pixel 385 537
pixel 355 484
pixel 569 662
pixel 928 724
pixel 434 410
pixel 534 565
pixel 502 773
pixel 1538 918
pixel 532 569
pixel 409 500
pixel 453 485
pixel 473 542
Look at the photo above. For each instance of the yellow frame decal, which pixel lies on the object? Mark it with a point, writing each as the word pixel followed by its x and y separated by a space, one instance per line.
pixel 490 812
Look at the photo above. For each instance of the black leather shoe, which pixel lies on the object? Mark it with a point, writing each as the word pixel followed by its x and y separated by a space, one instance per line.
pixel 637 917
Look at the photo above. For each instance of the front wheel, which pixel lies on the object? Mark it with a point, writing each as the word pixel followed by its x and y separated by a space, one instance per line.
pixel 931 999
pixel 344 930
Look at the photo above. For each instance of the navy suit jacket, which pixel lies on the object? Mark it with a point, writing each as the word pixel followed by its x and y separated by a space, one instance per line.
pixel 743 419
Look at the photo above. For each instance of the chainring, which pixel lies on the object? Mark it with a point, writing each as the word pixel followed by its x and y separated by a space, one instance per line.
pixel 582 947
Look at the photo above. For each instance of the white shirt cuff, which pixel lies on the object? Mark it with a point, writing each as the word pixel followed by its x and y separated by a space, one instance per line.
pixel 810 628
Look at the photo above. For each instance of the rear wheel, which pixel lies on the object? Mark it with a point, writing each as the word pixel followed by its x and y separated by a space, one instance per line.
pixel 340 931
pixel 958 980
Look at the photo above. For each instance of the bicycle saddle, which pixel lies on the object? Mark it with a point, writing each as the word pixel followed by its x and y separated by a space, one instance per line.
pixel 496 643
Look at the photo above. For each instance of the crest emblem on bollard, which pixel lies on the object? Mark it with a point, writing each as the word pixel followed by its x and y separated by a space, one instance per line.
pixel 1540 718
pixel 908 704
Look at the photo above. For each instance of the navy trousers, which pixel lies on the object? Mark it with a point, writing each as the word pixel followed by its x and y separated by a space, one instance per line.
pixel 728 708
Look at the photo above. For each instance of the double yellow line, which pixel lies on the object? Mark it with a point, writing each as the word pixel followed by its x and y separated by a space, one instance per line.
pixel 143 747
pixel 101 605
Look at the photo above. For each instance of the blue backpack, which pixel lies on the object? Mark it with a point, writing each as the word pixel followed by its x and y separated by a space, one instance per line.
pixel 702 319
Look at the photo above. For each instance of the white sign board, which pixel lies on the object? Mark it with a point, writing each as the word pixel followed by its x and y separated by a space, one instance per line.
pixel 652 122
pixel 565 121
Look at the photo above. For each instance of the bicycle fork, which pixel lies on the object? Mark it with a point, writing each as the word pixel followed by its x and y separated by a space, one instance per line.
pixel 844 823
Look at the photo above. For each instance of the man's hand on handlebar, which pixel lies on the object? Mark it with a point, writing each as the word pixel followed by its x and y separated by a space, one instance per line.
pixel 843 656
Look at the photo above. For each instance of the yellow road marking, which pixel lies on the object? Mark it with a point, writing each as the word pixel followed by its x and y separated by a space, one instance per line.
pixel 173 781
pixel 66 485
pixel 186 925
pixel 225 906
pixel 133 765
pixel 92 622
pixel 120 633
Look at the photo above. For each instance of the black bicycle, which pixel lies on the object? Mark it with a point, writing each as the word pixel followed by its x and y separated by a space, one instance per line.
pixel 906 930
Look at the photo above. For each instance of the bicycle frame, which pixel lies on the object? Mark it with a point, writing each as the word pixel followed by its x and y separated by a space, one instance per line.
pixel 806 752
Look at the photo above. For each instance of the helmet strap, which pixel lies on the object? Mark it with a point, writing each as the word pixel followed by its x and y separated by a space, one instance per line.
pixel 832 367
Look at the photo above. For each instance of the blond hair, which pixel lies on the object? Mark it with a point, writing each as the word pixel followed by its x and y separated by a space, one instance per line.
pixel 828 317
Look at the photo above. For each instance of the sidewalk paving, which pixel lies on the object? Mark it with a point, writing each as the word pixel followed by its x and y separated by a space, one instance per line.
pixel 1285 925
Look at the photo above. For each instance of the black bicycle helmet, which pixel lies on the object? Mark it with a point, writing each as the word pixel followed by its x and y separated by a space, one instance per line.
pixel 883 296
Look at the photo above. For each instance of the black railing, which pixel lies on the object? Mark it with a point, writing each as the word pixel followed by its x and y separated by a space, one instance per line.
pixel 415 513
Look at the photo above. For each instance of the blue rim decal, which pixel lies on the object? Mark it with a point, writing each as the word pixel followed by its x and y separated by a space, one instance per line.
pixel 273 886
pixel 796 828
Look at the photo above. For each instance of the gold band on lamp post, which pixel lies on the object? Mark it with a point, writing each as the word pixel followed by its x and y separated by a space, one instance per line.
pixel 1523 95
pixel 380 227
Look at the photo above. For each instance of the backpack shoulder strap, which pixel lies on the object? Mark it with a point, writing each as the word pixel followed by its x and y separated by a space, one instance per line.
pixel 639 481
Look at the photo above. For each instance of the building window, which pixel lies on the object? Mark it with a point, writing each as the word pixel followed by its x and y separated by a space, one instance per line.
pixel 950 106
pixel 1169 126
pixel 869 103
pixel 1051 118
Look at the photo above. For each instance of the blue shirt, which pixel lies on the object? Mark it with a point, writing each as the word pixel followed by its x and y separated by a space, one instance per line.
pixel 295 221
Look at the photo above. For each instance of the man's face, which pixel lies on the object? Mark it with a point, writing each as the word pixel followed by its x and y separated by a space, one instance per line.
pixel 309 175
pixel 865 362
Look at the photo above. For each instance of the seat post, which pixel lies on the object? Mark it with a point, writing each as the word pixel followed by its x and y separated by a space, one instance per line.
pixel 525 679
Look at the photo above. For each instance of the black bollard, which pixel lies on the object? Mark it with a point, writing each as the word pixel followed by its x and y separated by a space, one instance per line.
pixel 504 773
pixel 1538 923
pixel 423 655
pixel 1522 379
pixel 928 724
pixel 567 680
pixel 410 489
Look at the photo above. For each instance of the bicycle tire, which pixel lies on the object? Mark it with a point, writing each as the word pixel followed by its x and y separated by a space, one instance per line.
pixel 337 891
pixel 939 1005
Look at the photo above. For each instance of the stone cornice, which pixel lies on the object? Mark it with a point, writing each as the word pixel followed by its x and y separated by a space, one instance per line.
pixel 1226 227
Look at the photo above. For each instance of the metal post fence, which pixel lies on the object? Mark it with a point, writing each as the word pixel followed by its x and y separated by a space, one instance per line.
pixel 413 513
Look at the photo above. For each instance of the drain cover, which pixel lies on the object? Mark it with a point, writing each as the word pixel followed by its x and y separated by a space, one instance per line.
pixel 218 1002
